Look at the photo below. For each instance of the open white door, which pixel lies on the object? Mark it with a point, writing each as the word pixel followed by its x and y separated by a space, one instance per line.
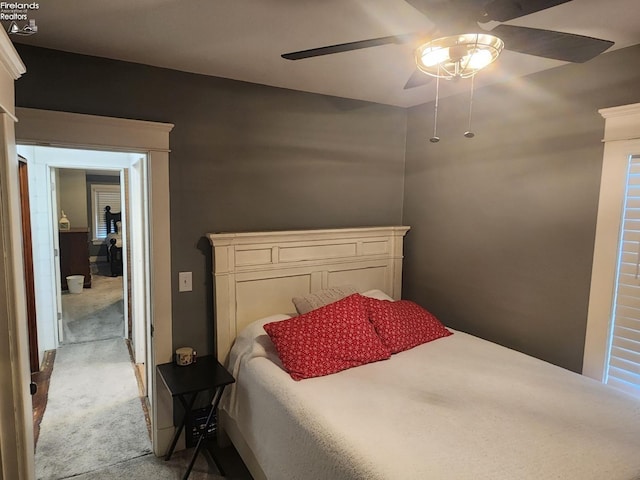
pixel 139 237
pixel 55 212
pixel 126 248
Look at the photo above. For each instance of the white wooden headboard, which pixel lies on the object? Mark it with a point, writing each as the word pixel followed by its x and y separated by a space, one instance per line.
pixel 256 274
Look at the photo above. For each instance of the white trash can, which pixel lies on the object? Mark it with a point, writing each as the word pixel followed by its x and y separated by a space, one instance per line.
pixel 75 283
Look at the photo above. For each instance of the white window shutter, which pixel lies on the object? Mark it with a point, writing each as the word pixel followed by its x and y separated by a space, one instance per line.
pixel 624 355
pixel 103 195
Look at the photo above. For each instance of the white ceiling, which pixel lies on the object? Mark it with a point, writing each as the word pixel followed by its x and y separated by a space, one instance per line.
pixel 243 39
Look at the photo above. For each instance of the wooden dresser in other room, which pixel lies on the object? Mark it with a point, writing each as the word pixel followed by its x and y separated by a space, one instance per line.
pixel 74 255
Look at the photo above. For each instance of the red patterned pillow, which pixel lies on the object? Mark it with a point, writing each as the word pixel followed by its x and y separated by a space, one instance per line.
pixel 404 324
pixel 327 340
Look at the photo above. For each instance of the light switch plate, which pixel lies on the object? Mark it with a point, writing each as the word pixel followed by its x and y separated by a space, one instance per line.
pixel 185 280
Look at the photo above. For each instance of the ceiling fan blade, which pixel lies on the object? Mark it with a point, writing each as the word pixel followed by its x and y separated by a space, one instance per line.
pixel 568 47
pixel 503 10
pixel 450 16
pixel 417 79
pixel 347 47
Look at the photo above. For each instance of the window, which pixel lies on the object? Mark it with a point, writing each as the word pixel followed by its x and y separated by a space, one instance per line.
pixel 612 341
pixel 101 196
pixel 623 366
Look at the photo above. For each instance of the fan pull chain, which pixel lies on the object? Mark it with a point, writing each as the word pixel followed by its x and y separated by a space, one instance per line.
pixel 469 133
pixel 436 138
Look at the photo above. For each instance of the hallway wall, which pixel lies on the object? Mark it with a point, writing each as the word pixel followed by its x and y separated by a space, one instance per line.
pixel 73 196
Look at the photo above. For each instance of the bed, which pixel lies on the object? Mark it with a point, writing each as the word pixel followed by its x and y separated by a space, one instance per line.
pixel 455 408
pixel 114 239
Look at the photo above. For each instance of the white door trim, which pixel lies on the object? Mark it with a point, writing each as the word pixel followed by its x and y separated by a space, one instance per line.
pixel 16 424
pixel 138 208
pixel 44 163
pixel 622 140
pixel 16 421
pixel 73 130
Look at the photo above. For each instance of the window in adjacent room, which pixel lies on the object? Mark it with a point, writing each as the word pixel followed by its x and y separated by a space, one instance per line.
pixel 101 196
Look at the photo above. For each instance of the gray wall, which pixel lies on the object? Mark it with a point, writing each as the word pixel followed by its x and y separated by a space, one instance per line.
pixel 503 224
pixel 243 157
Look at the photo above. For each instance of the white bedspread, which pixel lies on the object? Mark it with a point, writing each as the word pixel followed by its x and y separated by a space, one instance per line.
pixel 456 408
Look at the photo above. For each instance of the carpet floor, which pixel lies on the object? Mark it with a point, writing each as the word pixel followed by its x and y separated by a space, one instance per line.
pixel 150 467
pixel 95 314
pixel 94 417
pixel 93 426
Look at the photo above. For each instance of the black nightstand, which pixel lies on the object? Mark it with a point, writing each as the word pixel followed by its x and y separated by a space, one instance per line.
pixel 185 383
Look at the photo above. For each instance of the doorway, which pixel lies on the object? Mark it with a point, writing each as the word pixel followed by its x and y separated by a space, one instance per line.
pixel 93 291
pixel 73 230
pixel 43 127
pixel 74 178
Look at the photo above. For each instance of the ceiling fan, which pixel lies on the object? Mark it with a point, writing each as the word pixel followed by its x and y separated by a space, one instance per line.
pixel 456 17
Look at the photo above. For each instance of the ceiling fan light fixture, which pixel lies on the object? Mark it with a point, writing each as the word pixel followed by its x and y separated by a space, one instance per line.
pixel 458 56
pixel 432 56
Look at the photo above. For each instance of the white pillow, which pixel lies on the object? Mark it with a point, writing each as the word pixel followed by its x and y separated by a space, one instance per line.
pixel 313 300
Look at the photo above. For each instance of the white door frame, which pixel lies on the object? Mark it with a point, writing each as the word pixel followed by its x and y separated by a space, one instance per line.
pixel 44 163
pixel 51 174
pixel 43 127
pixel 622 141
pixel 138 213
pixel 16 417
